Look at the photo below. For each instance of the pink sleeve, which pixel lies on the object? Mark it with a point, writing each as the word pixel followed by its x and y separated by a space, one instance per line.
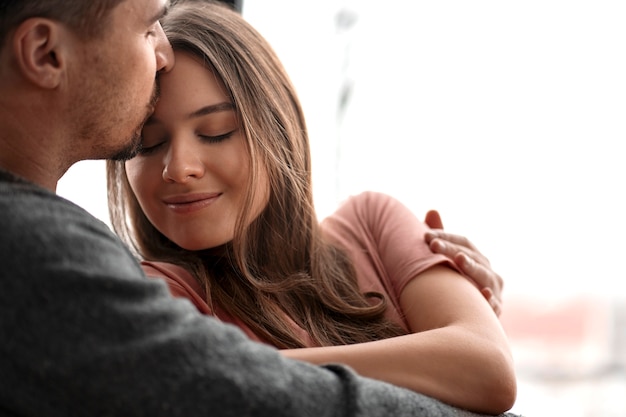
pixel 386 241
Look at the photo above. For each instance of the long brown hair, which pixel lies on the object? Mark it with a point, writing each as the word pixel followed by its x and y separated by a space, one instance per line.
pixel 279 263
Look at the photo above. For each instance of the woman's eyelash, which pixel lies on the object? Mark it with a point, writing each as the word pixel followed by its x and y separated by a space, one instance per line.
pixel 148 150
pixel 143 150
pixel 216 139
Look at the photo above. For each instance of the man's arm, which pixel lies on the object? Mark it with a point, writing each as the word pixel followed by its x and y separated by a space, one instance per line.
pixel 85 334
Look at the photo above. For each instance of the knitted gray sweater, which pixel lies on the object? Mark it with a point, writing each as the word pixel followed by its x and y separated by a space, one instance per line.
pixel 84 333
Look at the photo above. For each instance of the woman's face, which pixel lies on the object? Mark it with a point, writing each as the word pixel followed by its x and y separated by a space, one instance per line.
pixel 191 177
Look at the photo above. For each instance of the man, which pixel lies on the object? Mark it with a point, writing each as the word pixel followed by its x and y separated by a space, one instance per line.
pixel 83 332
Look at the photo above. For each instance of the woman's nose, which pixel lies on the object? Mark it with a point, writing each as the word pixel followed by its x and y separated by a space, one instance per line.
pixel 182 164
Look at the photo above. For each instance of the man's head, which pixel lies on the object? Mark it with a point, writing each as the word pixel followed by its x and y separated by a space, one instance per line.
pixel 77 80
pixel 86 17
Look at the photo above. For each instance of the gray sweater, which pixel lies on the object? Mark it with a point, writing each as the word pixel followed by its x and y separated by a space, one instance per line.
pixel 84 333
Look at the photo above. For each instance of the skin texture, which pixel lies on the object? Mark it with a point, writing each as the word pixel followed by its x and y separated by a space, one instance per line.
pixel 113 108
pixel 48 68
pixel 452 326
pixel 192 174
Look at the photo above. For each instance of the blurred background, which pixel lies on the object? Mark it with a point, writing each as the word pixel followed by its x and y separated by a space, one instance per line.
pixel 508 118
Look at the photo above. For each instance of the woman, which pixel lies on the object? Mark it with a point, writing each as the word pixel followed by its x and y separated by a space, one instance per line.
pixel 219 204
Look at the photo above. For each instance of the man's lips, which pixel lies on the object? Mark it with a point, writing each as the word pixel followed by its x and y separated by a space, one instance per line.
pixel 187 203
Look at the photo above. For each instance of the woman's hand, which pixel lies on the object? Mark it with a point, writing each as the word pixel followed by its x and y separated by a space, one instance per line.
pixel 467 257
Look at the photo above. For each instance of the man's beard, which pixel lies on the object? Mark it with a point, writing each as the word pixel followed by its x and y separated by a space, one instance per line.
pixel 131 150
pixel 134 146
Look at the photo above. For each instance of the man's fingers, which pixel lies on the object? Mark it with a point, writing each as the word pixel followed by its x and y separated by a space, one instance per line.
pixel 451 249
pixel 472 269
pixel 496 305
pixel 441 246
pixel 481 274
pixel 452 238
pixel 467 257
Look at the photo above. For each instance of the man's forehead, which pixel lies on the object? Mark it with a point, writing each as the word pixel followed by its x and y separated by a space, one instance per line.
pixel 147 10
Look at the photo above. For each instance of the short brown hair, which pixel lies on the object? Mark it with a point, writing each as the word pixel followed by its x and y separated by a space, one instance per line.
pixel 85 16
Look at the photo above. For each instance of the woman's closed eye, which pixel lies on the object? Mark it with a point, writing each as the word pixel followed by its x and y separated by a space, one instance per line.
pixel 149 147
pixel 216 138
pixel 145 150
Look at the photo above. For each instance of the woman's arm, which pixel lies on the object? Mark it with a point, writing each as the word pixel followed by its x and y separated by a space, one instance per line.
pixel 457 353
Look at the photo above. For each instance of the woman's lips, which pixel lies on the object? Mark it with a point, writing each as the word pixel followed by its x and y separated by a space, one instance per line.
pixel 188 203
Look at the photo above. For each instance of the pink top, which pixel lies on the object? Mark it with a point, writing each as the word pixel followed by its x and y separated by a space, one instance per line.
pixel 382 236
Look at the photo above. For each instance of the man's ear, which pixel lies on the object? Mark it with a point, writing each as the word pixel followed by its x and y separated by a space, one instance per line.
pixel 38 51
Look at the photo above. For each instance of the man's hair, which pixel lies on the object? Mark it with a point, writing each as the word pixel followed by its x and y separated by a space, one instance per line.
pixel 87 17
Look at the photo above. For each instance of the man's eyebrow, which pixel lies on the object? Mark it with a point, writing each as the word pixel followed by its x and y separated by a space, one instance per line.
pixel 225 106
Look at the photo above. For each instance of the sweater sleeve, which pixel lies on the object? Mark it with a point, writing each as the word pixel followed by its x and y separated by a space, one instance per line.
pixel 180 283
pixel 84 333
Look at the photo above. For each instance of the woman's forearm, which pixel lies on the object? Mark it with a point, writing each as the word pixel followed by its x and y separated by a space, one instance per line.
pixel 457 351
pixel 453 364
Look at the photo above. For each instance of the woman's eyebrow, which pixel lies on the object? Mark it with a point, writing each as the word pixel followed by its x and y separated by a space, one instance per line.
pixel 211 109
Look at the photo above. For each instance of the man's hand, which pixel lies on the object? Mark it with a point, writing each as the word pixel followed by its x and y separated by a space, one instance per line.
pixel 469 259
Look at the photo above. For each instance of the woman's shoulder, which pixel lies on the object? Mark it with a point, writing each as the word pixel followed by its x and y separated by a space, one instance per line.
pixel 369 206
pixel 181 282
pixel 370 197
pixel 165 269
pixel 369 216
